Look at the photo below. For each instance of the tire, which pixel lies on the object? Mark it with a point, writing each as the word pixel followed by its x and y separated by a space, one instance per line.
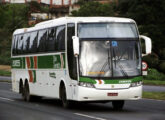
pixel 21 87
pixel 66 103
pixel 26 94
pixel 118 104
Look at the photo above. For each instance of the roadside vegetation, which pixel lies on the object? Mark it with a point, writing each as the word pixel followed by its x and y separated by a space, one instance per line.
pixel 154 95
pixel 5 70
pixel 154 77
pixel 149 15
pixel 5 73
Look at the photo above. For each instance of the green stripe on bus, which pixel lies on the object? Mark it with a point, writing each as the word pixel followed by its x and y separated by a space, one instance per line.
pixel 16 63
pixel 120 81
pixel 31 62
pixel 89 80
pixel 34 76
pixel 23 63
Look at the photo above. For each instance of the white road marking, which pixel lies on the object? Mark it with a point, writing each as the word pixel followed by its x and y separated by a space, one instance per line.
pixel 93 117
pixel 6 99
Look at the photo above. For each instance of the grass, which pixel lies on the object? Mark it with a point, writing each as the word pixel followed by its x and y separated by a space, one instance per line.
pixel 154 95
pixel 5 73
pixel 154 82
pixel 5 70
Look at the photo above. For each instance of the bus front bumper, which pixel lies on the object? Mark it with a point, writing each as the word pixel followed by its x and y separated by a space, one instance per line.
pixel 93 94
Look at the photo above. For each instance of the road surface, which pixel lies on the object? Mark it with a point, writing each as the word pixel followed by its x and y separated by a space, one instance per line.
pixel 12 107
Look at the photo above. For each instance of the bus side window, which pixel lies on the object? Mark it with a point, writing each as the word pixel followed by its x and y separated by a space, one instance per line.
pixel 26 43
pixel 60 38
pixel 33 42
pixel 20 44
pixel 50 43
pixel 14 45
pixel 71 58
pixel 42 37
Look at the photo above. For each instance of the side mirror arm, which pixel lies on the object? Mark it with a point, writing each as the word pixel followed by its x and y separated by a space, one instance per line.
pixel 75 45
pixel 148 44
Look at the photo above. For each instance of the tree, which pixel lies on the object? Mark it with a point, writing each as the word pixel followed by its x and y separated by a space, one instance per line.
pixel 12 16
pixel 94 9
pixel 149 15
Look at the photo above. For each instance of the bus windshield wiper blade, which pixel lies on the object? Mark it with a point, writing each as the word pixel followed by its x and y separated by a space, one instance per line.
pixel 107 62
pixel 122 69
pixel 120 65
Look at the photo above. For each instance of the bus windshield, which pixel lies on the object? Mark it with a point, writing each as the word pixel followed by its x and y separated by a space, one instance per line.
pixel 107 30
pixel 110 57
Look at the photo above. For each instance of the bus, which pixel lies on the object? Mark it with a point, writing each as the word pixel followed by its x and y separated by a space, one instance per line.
pixel 84 59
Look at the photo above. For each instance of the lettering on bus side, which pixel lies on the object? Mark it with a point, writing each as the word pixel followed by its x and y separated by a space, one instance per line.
pixel 16 63
pixel 124 81
pixel 52 74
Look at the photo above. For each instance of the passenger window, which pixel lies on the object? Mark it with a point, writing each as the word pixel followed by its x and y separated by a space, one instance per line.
pixel 60 38
pixel 42 37
pixel 33 42
pixel 26 43
pixel 50 43
pixel 14 45
pixel 20 44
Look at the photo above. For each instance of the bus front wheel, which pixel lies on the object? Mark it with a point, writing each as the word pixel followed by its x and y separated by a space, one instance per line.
pixel 118 104
pixel 66 103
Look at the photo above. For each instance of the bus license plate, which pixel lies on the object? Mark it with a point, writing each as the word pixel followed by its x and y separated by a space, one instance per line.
pixel 112 94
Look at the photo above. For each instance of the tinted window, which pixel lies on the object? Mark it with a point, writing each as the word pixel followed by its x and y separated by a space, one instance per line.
pixel 33 42
pixel 60 37
pixel 50 43
pixel 14 45
pixel 71 59
pixel 26 43
pixel 42 36
pixel 20 44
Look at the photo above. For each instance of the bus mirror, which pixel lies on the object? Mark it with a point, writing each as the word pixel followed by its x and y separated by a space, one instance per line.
pixel 75 45
pixel 148 44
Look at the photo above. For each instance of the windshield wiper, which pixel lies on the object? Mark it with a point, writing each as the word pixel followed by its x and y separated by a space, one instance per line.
pixel 120 65
pixel 107 62
pixel 122 69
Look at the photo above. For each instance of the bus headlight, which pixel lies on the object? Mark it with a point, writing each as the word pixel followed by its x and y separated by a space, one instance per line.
pixel 85 84
pixel 135 84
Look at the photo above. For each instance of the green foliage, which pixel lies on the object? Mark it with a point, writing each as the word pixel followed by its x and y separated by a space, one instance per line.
pixel 94 9
pixel 152 60
pixel 12 16
pixel 154 82
pixel 154 95
pixel 162 67
pixel 153 74
pixel 36 7
pixel 149 14
pixel 5 73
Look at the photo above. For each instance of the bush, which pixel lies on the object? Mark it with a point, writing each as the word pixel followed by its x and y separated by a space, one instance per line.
pixel 152 60
pixel 162 67
pixel 153 74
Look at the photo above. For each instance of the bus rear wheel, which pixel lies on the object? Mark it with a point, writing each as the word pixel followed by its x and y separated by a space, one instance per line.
pixel 26 93
pixel 118 104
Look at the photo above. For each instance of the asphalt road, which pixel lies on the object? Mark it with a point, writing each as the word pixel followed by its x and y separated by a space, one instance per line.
pixel 12 107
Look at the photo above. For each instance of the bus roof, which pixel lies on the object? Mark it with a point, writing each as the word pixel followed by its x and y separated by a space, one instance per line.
pixel 64 20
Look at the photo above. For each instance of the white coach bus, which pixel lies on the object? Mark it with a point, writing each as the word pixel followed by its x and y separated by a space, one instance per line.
pixel 96 59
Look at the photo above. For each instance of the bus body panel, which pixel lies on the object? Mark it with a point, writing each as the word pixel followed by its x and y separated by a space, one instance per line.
pixel 92 94
pixel 44 76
